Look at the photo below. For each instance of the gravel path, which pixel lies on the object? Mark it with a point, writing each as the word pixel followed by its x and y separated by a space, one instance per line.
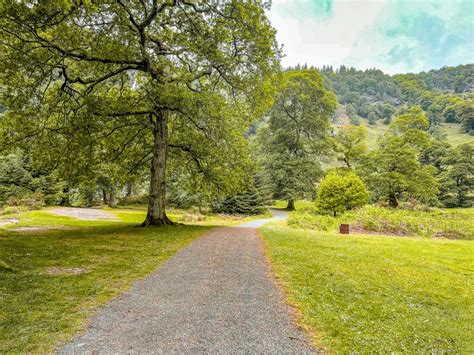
pixel 83 214
pixel 215 296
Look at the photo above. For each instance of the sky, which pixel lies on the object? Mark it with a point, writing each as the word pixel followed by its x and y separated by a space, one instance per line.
pixel 396 36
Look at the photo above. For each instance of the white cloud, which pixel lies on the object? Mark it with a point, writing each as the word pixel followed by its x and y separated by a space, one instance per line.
pixel 393 35
pixel 327 41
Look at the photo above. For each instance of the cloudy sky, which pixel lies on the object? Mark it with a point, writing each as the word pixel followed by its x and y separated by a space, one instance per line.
pixel 396 36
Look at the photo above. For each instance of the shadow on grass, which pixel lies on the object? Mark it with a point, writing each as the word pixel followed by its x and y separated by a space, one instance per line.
pixel 45 301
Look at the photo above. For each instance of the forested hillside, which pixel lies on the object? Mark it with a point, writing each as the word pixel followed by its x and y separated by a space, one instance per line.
pixel 373 98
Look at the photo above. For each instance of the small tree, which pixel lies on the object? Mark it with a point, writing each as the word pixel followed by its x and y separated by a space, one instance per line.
pixel 341 191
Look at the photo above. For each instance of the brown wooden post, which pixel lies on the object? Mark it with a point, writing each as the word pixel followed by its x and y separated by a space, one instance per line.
pixel 344 229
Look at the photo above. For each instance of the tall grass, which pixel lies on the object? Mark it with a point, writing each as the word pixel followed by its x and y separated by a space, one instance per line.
pixel 445 223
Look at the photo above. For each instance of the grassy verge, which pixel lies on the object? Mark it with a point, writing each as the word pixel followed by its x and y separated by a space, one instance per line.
pixel 441 223
pixel 378 294
pixel 52 280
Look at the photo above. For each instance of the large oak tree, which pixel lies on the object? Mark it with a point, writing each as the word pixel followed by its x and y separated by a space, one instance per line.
pixel 95 80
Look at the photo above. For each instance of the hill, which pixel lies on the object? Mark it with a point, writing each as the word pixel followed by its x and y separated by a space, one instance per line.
pixel 372 98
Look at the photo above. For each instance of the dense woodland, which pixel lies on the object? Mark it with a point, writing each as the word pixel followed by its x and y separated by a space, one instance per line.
pixel 92 117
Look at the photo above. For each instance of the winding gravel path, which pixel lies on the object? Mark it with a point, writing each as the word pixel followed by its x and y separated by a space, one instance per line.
pixel 215 296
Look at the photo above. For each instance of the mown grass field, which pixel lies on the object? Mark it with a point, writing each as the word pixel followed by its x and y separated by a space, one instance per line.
pixel 361 293
pixel 52 280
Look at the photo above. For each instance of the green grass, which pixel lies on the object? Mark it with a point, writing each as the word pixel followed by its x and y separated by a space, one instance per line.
pixel 377 293
pixel 39 310
pixel 455 135
pixel 299 204
pixel 436 222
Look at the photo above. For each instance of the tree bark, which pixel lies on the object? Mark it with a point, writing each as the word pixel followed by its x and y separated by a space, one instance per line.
pixel 112 197
pixel 156 214
pixel 65 198
pixel 129 189
pixel 104 197
pixel 392 200
pixel 291 205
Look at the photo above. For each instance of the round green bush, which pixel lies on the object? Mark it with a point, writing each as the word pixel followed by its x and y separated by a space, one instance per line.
pixel 340 191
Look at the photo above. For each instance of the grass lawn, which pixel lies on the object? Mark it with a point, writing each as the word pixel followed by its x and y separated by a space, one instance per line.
pixel 43 302
pixel 377 293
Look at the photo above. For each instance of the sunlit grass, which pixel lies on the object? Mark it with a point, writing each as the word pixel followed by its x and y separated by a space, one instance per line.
pixel 454 223
pixel 42 305
pixel 377 293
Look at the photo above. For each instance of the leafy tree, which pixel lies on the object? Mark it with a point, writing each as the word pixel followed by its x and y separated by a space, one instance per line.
pixel 465 115
pixel 351 110
pixel 296 136
pixel 456 178
pixel 411 128
pixel 394 171
pixel 386 111
pixel 341 191
pixel 172 79
pixel 372 117
pixel 19 180
pixel 252 200
pixel 350 144
pixel 435 114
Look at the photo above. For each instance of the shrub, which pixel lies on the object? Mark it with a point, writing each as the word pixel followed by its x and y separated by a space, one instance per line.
pixel 341 191
pixel 32 202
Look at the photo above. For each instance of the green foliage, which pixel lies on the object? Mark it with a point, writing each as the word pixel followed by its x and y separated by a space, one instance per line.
pixel 350 144
pixel 393 171
pixel 341 191
pixel 21 184
pixel 296 136
pixel 456 177
pixel 175 83
pixel 372 118
pixel 465 115
pixel 250 202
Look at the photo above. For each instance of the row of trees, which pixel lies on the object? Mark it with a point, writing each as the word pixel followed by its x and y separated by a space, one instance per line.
pixel 409 163
pixel 444 94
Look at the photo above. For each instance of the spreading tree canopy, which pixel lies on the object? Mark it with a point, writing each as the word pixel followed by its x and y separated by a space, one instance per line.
pixel 146 81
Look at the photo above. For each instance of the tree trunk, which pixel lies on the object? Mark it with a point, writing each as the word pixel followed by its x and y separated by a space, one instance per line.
pixel 129 189
pixel 392 200
pixel 156 215
pixel 112 197
pixel 291 205
pixel 104 197
pixel 65 198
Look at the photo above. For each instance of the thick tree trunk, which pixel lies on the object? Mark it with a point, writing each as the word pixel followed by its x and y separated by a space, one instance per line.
pixel 104 197
pixel 156 215
pixel 291 205
pixel 112 197
pixel 392 200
